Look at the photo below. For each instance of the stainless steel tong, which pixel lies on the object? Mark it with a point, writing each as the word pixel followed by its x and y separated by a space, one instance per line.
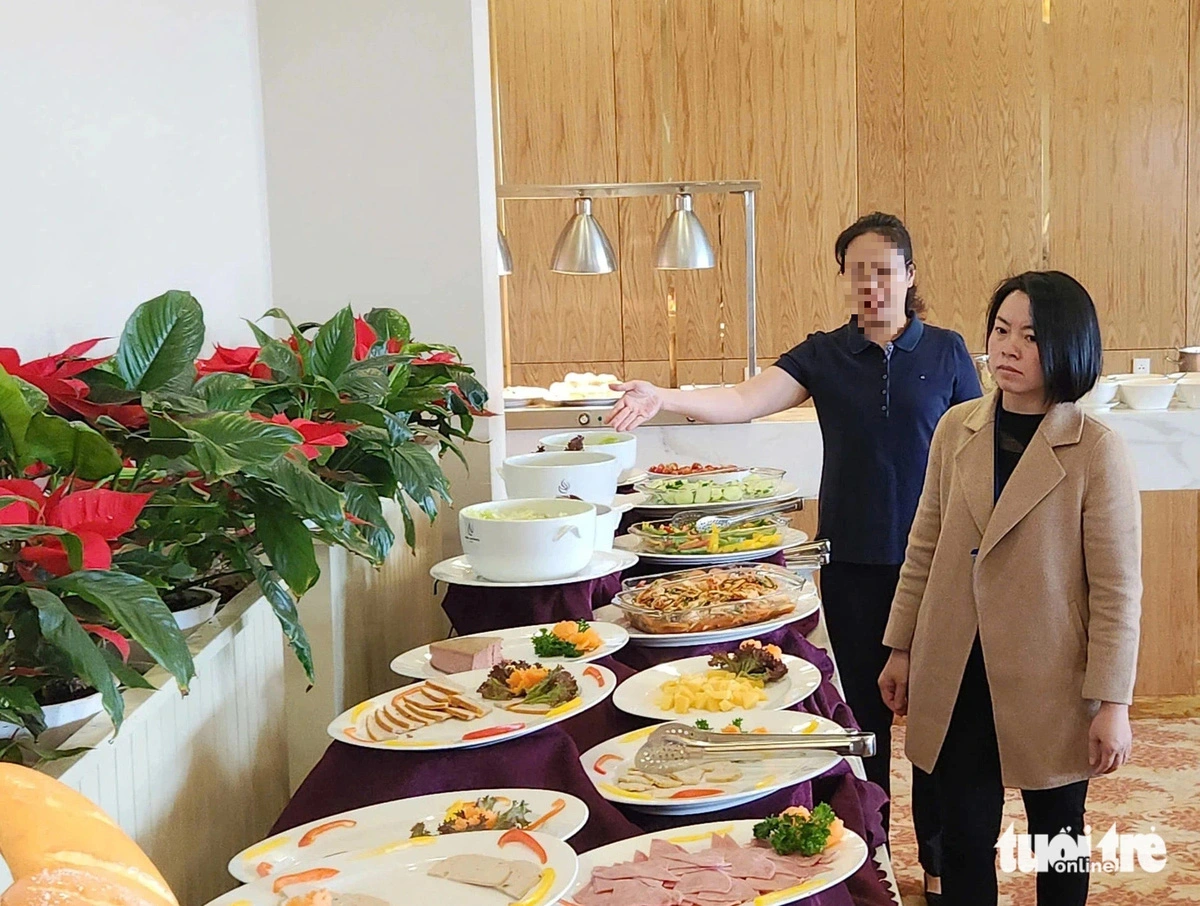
pixel 705 522
pixel 675 746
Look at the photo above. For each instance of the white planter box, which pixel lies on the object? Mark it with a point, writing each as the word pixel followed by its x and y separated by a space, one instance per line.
pixel 194 779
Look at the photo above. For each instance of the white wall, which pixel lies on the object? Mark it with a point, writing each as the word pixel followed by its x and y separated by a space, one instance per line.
pixel 379 164
pixel 130 163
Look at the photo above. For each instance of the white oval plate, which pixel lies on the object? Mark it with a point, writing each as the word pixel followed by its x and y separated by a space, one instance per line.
pixel 848 856
pixel 639 694
pixel 632 544
pixel 449 734
pixel 389 822
pixel 458 571
pixel 397 873
pixel 515 645
pixel 786 491
pixel 759 778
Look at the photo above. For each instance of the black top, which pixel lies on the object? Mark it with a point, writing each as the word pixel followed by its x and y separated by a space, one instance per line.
pixel 1014 431
pixel 877 408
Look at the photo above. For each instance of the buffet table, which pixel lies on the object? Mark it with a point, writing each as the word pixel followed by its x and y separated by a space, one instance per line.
pixel 349 777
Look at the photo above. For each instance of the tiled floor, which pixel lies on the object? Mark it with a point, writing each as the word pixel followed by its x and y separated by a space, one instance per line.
pixel 1160 789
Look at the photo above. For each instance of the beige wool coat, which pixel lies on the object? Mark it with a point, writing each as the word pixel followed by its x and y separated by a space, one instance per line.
pixel 1049 576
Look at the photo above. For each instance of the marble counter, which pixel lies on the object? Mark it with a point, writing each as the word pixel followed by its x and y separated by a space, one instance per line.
pixel 1163 445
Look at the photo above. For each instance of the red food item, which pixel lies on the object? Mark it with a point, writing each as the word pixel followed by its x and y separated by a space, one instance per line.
pixel 602 760
pixel 311 836
pixel 263 869
pixel 696 468
pixel 304 877
pixel 594 673
pixel 694 793
pixel 555 807
pixel 493 731
pixel 516 835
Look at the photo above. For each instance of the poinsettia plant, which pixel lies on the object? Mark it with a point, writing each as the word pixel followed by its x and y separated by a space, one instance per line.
pixel 207 469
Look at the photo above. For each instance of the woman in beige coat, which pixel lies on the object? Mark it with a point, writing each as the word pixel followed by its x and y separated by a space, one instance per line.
pixel 1015 623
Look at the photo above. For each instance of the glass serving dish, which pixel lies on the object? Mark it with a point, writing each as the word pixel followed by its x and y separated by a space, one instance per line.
pixel 663 538
pixel 696 490
pixel 703 600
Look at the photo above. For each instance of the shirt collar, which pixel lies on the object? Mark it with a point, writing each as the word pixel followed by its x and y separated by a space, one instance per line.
pixel 908 339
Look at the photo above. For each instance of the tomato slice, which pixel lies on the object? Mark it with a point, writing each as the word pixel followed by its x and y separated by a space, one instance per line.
pixel 594 672
pixel 263 869
pixel 603 760
pixel 555 807
pixel 309 838
pixel 516 835
pixel 493 731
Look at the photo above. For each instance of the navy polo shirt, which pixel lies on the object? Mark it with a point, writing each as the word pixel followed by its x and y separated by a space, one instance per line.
pixel 877 408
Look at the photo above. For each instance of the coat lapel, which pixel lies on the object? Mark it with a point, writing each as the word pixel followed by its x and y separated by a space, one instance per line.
pixel 1036 475
pixel 975 462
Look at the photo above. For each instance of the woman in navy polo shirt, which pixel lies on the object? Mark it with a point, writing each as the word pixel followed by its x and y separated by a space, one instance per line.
pixel 880 383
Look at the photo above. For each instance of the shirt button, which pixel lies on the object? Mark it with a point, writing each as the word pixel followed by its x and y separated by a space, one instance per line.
pixel 885 375
pixel 884 390
pixel 883 408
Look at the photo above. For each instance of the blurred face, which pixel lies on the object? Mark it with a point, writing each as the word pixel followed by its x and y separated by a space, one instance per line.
pixel 877 281
pixel 1013 356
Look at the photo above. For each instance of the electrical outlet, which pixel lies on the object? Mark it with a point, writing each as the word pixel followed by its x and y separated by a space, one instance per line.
pixel 1141 366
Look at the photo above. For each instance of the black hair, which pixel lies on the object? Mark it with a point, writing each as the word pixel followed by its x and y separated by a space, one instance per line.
pixel 891 228
pixel 1065 328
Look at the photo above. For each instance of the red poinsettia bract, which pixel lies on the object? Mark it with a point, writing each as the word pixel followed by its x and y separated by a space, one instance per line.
pixel 235 360
pixel 95 516
pixel 315 434
pixel 57 376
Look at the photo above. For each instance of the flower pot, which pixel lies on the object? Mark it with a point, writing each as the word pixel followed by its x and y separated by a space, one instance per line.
pixel 63 713
pixel 200 613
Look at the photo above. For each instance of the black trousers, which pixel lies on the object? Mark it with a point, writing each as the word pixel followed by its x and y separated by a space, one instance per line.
pixel 858 599
pixel 971 799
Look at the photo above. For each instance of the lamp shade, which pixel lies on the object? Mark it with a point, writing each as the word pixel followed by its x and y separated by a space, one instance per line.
pixel 582 247
pixel 505 254
pixel 683 244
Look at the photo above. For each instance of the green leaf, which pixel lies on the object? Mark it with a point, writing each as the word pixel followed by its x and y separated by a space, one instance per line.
pixel 134 605
pixel 37 400
pixel 227 442
pixel 285 610
pixel 333 347
pixel 71 446
pixel 287 543
pixel 308 496
pixel 389 324
pixel 303 344
pixel 61 630
pixel 470 387
pixel 362 502
pixel 19 701
pixel 126 675
pixel 281 359
pixel 259 334
pixel 227 392
pixel 161 340
pixel 420 476
pixel 15 411
pixel 70 541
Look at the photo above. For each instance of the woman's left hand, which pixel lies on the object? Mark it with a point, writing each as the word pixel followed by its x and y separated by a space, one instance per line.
pixel 1110 739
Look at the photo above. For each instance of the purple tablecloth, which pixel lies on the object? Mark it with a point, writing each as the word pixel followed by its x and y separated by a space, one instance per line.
pixel 349 777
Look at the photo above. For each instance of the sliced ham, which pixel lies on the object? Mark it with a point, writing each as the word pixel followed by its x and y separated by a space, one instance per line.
pixel 651 869
pixel 705 882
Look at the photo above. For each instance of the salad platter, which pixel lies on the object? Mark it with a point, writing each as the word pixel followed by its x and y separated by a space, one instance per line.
pixel 658 542
pixel 714 786
pixel 488 868
pixel 729 685
pixel 458 571
pixel 724 863
pixel 473 709
pixel 568 642
pixel 554 814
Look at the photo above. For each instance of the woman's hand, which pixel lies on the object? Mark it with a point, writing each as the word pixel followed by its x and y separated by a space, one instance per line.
pixel 1110 739
pixel 641 402
pixel 893 682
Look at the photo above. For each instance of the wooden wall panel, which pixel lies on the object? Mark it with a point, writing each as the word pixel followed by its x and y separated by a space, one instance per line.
pixel 879 26
pixel 1171 596
pixel 1193 198
pixel 1118 162
pixel 553 67
pixel 973 161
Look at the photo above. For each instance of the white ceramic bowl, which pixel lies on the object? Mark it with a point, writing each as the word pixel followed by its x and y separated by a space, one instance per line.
pixel 1147 392
pixel 1102 394
pixel 528 550
pixel 1189 391
pixel 587 475
pixel 624 448
pixel 607 521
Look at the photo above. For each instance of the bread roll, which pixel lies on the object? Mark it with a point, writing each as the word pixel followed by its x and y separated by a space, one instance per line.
pixel 62 849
